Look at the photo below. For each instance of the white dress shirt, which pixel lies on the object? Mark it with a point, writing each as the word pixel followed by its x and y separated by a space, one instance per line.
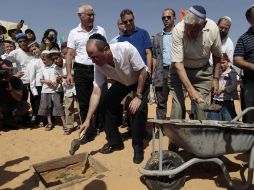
pixel 128 63
pixel 21 58
pixel 34 67
pixel 77 40
pixel 51 73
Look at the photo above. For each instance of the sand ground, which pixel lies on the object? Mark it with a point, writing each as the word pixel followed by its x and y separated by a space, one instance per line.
pixel 24 147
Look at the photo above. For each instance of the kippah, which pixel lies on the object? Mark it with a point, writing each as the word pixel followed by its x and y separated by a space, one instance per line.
pixel 227 18
pixel 45 52
pixel 32 43
pixel 98 36
pixel 198 11
pixel 54 51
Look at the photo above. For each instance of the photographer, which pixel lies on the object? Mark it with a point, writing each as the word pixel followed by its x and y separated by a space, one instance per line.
pixel 49 40
pixel 11 105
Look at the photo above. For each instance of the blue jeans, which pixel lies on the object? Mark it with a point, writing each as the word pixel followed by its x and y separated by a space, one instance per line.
pixel 227 113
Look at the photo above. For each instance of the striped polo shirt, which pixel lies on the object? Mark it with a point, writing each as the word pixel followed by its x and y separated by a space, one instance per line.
pixel 245 48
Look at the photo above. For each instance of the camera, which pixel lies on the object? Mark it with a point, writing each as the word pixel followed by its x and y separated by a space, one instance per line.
pixel 51 38
pixel 4 82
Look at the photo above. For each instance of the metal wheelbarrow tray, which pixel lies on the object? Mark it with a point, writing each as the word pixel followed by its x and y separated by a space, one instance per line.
pixel 209 138
pixel 204 139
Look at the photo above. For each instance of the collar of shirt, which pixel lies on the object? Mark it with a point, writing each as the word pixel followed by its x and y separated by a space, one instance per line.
pixel 135 30
pixel 50 66
pixel 80 29
pixel 166 33
pixel 250 31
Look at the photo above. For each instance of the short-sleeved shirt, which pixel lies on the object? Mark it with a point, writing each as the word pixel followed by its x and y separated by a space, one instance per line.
pixel 77 40
pixel 51 73
pixel 195 53
pixel 244 48
pixel 128 63
pixel 21 58
pixel 139 39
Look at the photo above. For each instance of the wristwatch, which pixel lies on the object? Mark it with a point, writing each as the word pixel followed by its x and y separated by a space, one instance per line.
pixel 138 95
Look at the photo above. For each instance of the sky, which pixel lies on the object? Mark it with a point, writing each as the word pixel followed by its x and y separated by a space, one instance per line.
pixel 61 15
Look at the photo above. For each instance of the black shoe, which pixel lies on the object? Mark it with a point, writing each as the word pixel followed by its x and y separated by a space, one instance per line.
pixel 138 157
pixel 87 138
pixel 107 149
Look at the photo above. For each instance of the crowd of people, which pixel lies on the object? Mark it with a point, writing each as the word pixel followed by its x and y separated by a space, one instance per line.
pixel 194 58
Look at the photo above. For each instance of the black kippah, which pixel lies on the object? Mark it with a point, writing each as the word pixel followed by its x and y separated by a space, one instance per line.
pixel 98 36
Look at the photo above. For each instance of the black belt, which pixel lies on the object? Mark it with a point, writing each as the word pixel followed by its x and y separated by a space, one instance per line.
pixel 166 67
pixel 83 66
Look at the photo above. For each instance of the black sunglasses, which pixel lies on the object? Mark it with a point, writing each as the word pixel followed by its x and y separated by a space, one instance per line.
pixel 127 21
pixel 164 17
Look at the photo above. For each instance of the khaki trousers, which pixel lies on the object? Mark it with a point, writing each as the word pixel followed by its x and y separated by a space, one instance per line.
pixel 201 79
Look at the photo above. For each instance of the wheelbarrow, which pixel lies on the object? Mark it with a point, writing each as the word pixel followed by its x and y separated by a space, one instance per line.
pixel 206 140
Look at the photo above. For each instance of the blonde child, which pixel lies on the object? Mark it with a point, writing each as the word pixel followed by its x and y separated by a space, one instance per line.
pixel 50 97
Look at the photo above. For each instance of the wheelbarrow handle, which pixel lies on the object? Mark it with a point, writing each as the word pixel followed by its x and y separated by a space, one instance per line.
pixel 242 113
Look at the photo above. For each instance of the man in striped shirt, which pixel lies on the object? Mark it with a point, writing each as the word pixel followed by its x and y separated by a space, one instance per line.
pixel 244 59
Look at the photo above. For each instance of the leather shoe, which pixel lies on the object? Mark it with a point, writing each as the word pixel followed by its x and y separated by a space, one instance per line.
pixel 138 157
pixel 107 149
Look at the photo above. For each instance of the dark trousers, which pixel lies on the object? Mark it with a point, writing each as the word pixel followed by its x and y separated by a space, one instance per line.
pixel 35 100
pixel 26 89
pixel 112 99
pixel 162 96
pixel 83 78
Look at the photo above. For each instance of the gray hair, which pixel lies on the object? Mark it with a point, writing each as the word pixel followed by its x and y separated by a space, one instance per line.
pixel 191 18
pixel 83 7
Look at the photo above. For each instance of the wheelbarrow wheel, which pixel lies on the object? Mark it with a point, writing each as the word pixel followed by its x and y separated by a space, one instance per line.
pixel 170 161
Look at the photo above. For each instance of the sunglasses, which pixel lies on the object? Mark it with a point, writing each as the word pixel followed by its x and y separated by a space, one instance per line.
pixel 166 17
pixel 127 21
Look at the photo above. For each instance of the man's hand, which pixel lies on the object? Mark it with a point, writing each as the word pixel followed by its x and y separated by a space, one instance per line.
pixel 215 86
pixel 19 74
pixel 134 105
pixel 83 129
pixel 69 79
pixel 196 96
pixel 59 79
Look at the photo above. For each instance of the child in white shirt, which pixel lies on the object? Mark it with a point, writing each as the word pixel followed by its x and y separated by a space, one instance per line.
pixel 69 91
pixel 50 97
pixel 34 67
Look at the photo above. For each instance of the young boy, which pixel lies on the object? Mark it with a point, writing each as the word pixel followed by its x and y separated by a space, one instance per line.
pixel 227 92
pixel 50 97
pixel 34 68
pixel 69 90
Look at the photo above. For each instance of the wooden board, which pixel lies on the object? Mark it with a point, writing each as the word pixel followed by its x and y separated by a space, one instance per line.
pixel 58 173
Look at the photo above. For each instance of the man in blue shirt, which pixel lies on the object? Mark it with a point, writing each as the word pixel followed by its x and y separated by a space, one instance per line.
pixel 138 37
pixel 162 60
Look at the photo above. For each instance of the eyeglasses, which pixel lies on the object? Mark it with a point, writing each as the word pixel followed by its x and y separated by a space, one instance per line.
pixel 166 17
pixel 127 21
